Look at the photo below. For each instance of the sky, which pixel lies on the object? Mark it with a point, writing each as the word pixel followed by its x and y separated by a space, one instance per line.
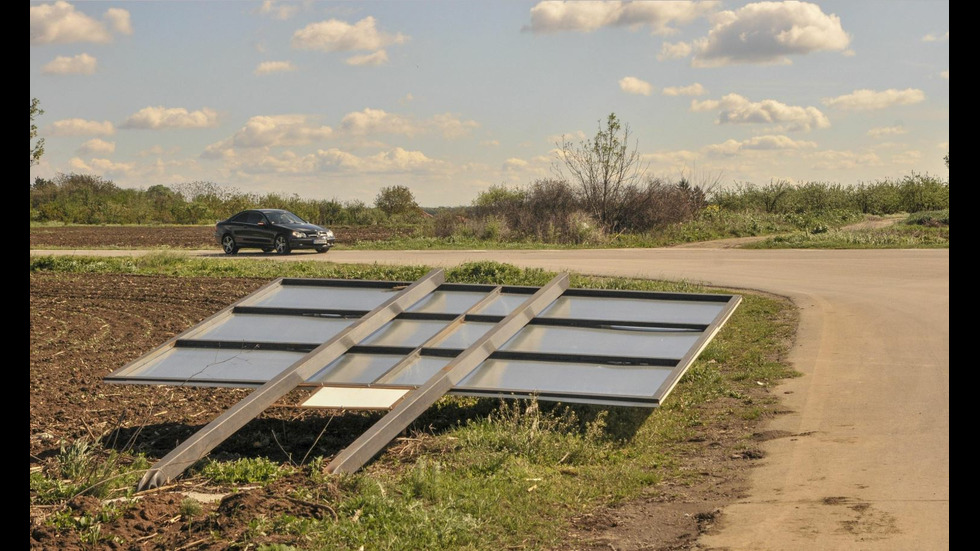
pixel 337 100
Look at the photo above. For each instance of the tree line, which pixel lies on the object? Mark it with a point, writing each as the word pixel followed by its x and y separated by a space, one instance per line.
pixel 600 186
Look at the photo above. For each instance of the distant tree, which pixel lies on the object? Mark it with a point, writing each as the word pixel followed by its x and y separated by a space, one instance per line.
pixel 946 158
pixel 604 168
pixel 396 201
pixel 37 148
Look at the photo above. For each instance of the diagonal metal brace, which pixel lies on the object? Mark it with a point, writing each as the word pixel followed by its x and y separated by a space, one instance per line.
pixel 417 401
pixel 235 417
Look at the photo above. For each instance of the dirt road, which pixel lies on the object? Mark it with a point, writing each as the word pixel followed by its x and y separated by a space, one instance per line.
pixel 864 463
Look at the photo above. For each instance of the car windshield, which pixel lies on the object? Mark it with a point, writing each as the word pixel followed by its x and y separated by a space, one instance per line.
pixel 284 217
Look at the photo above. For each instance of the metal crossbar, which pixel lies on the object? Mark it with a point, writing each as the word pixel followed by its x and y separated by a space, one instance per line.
pixel 415 402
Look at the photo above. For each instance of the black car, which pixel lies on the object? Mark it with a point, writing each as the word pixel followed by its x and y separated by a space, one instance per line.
pixel 271 230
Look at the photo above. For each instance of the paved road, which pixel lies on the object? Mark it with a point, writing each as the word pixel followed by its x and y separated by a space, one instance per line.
pixel 867 462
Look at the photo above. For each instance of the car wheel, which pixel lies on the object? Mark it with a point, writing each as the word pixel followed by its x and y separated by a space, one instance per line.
pixel 229 245
pixel 322 249
pixel 281 245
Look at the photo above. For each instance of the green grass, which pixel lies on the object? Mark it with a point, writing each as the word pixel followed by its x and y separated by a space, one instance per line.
pixel 258 470
pixel 897 237
pixel 481 474
pixel 920 230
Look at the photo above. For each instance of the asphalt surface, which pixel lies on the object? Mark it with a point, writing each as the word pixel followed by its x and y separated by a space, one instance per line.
pixel 864 461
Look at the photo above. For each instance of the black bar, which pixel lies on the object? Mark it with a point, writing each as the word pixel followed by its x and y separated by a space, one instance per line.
pixel 285 311
pixel 246 345
pixel 369 284
pixel 647 295
pixel 614 324
pixel 582 358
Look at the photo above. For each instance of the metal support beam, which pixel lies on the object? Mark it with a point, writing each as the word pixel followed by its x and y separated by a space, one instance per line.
pixel 692 354
pixel 234 418
pixel 434 340
pixel 415 402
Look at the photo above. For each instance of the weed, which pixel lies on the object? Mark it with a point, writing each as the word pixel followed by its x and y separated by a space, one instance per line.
pixel 257 470
pixel 190 508
pixel 85 468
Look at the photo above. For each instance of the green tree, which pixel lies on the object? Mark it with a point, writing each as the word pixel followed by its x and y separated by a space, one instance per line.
pixel 605 168
pixel 396 201
pixel 37 148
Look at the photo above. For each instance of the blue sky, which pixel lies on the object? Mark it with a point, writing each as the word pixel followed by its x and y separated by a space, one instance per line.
pixel 335 100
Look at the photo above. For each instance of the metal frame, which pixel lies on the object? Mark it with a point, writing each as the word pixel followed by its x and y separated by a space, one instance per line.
pixel 316 357
pixel 415 402
pixel 215 432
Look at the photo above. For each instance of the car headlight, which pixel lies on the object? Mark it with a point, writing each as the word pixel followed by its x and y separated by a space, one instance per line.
pixel 329 233
pixel 299 234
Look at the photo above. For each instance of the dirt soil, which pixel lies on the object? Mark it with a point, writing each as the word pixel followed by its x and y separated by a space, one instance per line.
pixel 176 237
pixel 84 326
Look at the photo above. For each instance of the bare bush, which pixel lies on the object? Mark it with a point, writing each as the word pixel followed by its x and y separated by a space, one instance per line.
pixel 447 222
pixel 658 204
pixel 606 168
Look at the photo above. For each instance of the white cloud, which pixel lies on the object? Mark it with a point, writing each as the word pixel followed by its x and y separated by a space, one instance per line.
pixel 269 67
pixel 933 38
pixel 105 167
pixel 758 143
pixel 277 10
pixel 515 164
pixel 334 35
pixel 95 146
pixel 768 32
pixel 736 109
pixel 158 150
pixel 394 160
pixel 588 16
pixel 864 100
pixel 490 142
pixel 843 160
pixel 676 161
pixel 378 121
pixel 339 162
pixel 451 126
pixel 401 160
pixel 220 150
pixel 945 74
pixel 118 19
pixel 160 117
pixel 888 145
pixel 60 23
pixel 81 64
pixel 692 90
pixel 573 137
pixel 887 131
pixel 81 127
pixel 633 85
pixel 675 50
pixel 907 157
pixel 267 131
pixel 379 57
pixel 283 163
